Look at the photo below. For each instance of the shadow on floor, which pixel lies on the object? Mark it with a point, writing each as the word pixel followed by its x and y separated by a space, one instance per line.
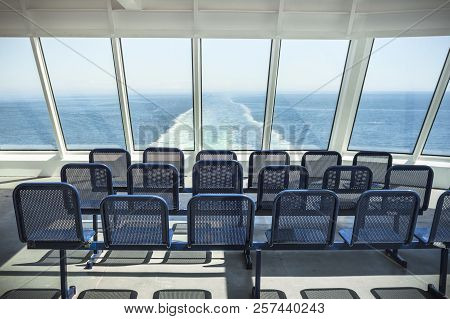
pixel 125 258
pixel 51 258
pixel 108 294
pixel 187 257
pixel 182 294
pixel 32 294
pixel 329 293
pixel 400 293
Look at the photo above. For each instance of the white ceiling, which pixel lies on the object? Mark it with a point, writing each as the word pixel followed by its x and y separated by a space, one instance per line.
pixel 230 18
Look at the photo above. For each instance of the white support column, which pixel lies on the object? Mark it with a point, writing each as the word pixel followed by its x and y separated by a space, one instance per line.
pixel 434 108
pixel 123 96
pixel 271 91
pixel 352 83
pixel 48 94
pixel 197 91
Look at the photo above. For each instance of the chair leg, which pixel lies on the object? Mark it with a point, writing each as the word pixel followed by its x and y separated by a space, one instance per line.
pixel 95 227
pixel 256 291
pixel 248 258
pixel 442 276
pixel 393 254
pixel 66 293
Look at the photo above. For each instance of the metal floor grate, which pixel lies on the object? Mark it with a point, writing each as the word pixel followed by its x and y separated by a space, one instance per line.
pixel 108 294
pixel 400 293
pixel 272 294
pixel 32 294
pixel 182 294
pixel 329 293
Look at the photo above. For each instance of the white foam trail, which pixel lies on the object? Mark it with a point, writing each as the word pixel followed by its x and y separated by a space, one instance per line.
pixel 180 134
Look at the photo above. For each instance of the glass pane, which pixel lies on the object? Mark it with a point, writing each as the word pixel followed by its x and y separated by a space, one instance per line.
pixel 24 119
pixel 159 83
pixel 84 85
pixel 438 140
pixel 234 84
pixel 398 88
pixel 309 80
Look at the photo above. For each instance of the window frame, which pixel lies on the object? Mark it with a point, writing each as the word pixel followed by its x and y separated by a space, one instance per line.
pixel 339 95
pixel 266 92
pixel 424 118
pixel 44 59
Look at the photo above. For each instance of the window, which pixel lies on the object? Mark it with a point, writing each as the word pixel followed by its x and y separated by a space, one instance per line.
pixel 85 89
pixel 309 80
pixel 400 81
pixel 439 137
pixel 234 85
pixel 159 82
pixel 24 120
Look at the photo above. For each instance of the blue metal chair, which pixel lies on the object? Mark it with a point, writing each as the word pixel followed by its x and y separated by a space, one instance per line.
pixel 439 233
pixel 418 178
pixel 221 221
pixel 155 179
pixel 48 216
pixel 348 182
pixel 303 217
pixel 260 159
pixel 217 177
pixel 216 155
pixel 166 155
pixel 384 217
pixel 118 160
pixel 317 162
pixel 378 162
pixel 135 222
pixel 276 178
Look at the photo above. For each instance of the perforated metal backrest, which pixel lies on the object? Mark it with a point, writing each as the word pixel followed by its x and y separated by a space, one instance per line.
pixel 304 217
pixel 385 216
pixel 276 178
pixel 92 181
pixel 216 155
pixel 440 230
pixel 221 220
pixel 155 179
pixel 347 179
pixel 317 162
pixel 118 160
pixel 418 178
pixel 131 220
pixel 378 162
pixel 217 177
pixel 166 155
pixel 48 212
pixel 260 159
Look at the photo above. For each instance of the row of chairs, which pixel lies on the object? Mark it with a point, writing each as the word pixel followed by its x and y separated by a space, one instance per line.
pixel 316 162
pixel 49 217
pixel 94 182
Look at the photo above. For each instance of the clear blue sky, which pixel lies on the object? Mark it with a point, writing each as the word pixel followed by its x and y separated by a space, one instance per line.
pixel 164 65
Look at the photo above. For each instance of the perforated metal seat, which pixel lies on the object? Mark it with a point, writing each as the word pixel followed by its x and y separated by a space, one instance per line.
pixel 261 159
pixel 378 162
pixel 166 155
pixel 217 177
pixel 49 213
pixel 384 217
pixel 155 179
pixel 135 220
pixel 276 178
pixel 418 178
pixel 93 181
pixel 440 229
pixel 348 182
pixel 216 155
pixel 118 160
pixel 221 220
pixel 303 217
pixel 317 162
